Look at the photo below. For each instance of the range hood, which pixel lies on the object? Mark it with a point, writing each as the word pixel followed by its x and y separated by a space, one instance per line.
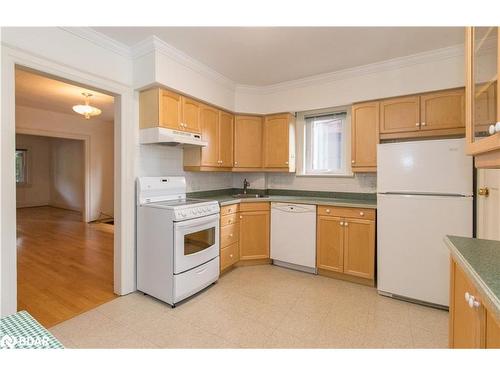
pixel 170 137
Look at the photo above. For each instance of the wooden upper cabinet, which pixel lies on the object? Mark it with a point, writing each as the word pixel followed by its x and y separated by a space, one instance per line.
pixel 364 140
pixel 170 109
pixel 442 110
pixel 226 127
pixel 465 322
pixel 359 248
pixel 330 244
pixel 276 137
pixel 482 100
pixel 160 107
pixel 400 114
pixel 248 142
pixel 209 121
pixel 191 115
pixel 254 235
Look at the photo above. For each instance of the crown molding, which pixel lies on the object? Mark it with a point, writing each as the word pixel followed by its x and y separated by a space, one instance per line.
pixel 155 44
pixel 99 39
pixel 386 65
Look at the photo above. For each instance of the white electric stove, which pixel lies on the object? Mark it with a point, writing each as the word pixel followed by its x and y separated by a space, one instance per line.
pixel 177 240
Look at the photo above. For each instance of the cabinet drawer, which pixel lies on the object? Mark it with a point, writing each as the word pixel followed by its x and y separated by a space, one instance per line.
pixel 229 234
pixel 254 206
pixel 361 213
pixel 231 209
pixel 229 219
pixel 229 255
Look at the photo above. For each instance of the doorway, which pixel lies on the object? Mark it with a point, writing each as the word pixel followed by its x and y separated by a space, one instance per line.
pixel 64 198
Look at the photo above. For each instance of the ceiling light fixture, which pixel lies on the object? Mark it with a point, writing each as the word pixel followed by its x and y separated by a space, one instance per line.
pixel 86 109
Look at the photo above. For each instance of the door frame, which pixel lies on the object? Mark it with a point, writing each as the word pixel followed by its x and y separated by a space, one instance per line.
pixel 126 137
pixel 86 157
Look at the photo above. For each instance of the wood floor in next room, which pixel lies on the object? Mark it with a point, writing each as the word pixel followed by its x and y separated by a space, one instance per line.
pixel 64 266
pixel 261 307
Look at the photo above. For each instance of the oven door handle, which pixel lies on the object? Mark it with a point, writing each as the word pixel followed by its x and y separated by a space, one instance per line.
pixel 198 221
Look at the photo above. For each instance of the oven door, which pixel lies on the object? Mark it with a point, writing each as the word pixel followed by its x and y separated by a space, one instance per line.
pixel 196 241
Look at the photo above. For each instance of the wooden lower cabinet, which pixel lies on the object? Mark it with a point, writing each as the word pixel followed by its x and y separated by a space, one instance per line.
pixel 472 326
pixel 359 248
pixel 492 332
pixel 254 234
pixel 330 244
pixel 346 244
pixel 229 256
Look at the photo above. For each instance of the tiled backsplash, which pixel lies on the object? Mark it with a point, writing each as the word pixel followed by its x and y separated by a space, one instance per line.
pixel 158 160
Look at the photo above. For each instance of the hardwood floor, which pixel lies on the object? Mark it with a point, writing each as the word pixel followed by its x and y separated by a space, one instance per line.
pixel 64 266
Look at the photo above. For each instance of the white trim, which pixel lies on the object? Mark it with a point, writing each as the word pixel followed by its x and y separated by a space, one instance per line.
pixel 395 63
pixel 87 175
pixel 125 138
pixel 155 44
pixel 100 39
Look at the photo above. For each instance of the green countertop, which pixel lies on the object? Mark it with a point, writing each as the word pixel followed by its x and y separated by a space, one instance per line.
pixel 480 260
pixel 225 200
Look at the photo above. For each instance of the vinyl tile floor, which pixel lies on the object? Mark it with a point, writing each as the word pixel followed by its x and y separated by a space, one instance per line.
pixel 261 307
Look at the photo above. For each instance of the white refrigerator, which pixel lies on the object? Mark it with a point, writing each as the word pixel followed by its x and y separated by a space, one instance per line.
pixel 424 192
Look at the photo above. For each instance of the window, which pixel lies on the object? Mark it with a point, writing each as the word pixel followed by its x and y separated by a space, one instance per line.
pixel 21 166
pixel 325 144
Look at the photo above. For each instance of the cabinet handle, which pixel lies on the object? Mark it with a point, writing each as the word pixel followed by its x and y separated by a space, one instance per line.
pixel 230 255
pixel 230 235
pixel 229 221
pixel 423 124
pixel 361 213
pixel 327 210
pixel 286 162
pixel 473 303
pixel 229 210
pixel 353 161
pixel 235 163
pixel 346 224
pixel 417 124
pixel 341 223
pixel 467 296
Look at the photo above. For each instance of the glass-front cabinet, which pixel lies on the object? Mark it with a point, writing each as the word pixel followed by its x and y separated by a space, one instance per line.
pixel 482 95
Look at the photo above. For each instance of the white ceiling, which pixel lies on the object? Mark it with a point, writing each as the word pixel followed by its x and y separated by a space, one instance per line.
pixel 269 55
pixel 34 90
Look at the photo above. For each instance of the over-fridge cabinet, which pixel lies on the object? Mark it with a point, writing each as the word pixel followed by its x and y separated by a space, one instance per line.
pixel 482 103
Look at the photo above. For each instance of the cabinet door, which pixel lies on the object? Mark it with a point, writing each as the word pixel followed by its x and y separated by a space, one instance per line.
pixel 226 126
pixel 254 235
pixel 485 107
pixel 330 244
pixel 359 248
pixel 191 115
pixel 209 120
pixel 365 124
pixel 276 141
pixel 399 115
pixel 442 110
pixel 170 110
pixel 465 321
pixel 492 332
pixel 248 142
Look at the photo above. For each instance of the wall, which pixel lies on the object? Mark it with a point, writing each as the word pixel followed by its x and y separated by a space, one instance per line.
pixel 101 159
pixel 67 175
pixel 428 71
pixel 160 160
pixel 37 191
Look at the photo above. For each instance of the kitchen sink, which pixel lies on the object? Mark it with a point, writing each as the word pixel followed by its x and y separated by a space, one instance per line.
pixel 249 196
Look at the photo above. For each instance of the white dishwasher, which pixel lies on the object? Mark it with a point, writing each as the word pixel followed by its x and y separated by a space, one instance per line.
pixel 293 236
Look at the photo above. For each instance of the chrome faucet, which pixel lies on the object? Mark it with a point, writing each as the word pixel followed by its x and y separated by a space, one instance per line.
pixel 245 185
